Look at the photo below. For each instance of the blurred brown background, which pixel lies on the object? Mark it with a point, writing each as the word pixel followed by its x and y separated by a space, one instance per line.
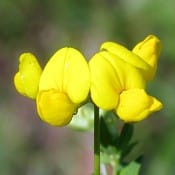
pixel 27 145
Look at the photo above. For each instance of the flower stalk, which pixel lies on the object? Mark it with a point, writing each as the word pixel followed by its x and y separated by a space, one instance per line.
pixel 96 141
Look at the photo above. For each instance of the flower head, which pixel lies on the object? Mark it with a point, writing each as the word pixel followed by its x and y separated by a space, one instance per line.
pixel 118 82
pixel 61 88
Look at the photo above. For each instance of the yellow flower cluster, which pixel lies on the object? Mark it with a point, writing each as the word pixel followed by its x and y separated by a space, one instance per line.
pixel 115 78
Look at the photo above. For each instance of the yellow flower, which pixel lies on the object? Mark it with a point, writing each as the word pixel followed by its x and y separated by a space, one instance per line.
pixel 117 82
pixel 63 85
pixel 27 79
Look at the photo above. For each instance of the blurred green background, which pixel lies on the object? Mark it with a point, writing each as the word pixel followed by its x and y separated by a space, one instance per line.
pixel 27 145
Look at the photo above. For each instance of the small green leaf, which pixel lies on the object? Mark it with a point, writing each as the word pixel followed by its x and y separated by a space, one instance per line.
pixel 125 136
pixel 131 169
pixel 105 136
pixel 108 131
pixel 128 149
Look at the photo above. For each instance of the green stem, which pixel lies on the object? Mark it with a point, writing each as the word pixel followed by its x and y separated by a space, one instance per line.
pixel 96 141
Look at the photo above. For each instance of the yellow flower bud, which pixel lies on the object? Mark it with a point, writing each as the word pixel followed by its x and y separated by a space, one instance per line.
pixel 27 79
pixel 149 50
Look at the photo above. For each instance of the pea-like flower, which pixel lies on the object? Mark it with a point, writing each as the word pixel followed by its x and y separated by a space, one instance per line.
pixel 118 78
pixel 61 87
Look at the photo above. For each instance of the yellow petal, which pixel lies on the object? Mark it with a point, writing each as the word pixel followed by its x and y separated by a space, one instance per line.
pixel 68 72
pixel 105 83
pixel 27 79
pixel 125 54
pixel 55 108
pixel 128 75
pixel 149 50
pixel 135 105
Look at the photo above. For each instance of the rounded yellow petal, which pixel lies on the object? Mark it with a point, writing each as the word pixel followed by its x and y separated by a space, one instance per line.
pixel 77 76
pixel 27 79
pixel 149 50
pixel 67 71
pixel 105 83
pixel 135 105
pixel 55 108
pixel 125 54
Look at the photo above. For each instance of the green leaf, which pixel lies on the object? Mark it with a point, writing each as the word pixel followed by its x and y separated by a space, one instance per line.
pixel 131 169
pixel 108 131
pixel 125 136
pixel 105 136
pixel 128 149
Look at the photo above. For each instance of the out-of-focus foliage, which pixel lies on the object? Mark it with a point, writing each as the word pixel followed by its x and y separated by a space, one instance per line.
pixel 28 146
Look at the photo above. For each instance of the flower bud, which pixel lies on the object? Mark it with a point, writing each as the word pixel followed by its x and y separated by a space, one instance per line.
pixel 149 50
